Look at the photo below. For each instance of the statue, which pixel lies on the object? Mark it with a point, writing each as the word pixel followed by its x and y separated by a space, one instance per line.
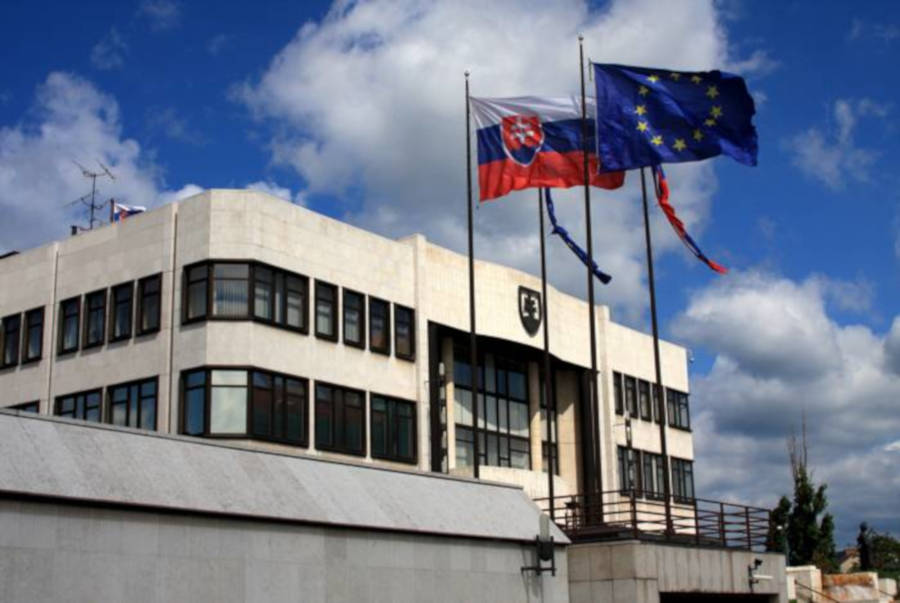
pixel 862 542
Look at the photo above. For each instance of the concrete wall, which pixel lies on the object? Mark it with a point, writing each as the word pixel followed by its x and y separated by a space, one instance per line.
pixel 637 572
pixel 52 552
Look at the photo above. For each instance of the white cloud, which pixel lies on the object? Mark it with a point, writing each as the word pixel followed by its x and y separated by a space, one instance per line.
pixel 167 121
pixel 109 52
pixel 779 353
pixel 833 157
pixel 70 121
pixel 370 100
pixel 274 189
pixel 162 14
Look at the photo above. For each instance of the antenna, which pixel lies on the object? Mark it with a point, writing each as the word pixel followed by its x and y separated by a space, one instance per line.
pixel 92 205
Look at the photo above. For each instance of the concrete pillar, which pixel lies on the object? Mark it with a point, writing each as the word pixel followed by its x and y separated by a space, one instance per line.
pixel 447 358
pixel 569 442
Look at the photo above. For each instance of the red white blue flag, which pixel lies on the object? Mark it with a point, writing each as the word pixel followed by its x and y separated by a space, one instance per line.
pixel 527 142
pixel 122 211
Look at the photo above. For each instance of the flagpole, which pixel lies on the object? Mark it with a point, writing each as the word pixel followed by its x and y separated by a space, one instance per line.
pixel 551 458
pixel 473 354
pixel 596 480
pixel 661 398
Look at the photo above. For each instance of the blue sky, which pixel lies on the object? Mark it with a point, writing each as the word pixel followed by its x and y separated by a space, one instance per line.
pixel 355 111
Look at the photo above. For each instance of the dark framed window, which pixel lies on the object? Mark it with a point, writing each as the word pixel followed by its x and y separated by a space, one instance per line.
pixel 149 304
pixel 196 294
pixel 379 326
pixel 69 319
pixel 504 422
pixel 27 407
pixel 644 400
pixel 678 409
pixel 120 311
pixel 549 452
pixel 94 318
pixel 354 309
pixel 631 396
pixel 83 405
pixel 657 409
pixel 340 414
pixel 393 428
pixel 12 335
pixel 682 480
pixel 404 332
pixel 34 335
pixel 133 404
pixel 629 470
pixel 617 393
pixel 326 311
pixel 239 402
pixel 263 293
pixel 231 290
pixel 652 473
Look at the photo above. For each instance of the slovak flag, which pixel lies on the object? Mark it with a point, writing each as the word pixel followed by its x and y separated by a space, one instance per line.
pixel 120 211
pixel 528 141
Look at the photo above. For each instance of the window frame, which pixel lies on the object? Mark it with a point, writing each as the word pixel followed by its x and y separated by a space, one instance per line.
pixel 7 339
pixel 142 295
pixel 339 445
pixel 412 333
pixel 86 326
pixel 335 310
pixel 113 314
pixel 644 400
pixel 392 437
pixel 618 393
pixel 682 477
pixel 33 406
pixel 61 332
pixel 378 302
pixel 627 485
pixel 630 405
pixel 363 333
pixel 85 393
pixel 26 335
pixel 678 409
pixel 139 383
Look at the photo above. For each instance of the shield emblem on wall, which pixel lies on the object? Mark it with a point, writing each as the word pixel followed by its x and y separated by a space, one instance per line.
pixel 531 311
pixel 522 137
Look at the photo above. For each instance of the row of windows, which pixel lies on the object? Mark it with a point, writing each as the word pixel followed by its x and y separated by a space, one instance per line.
pixel 642 473
pixel 251 403
pixel 226 290
pixel 129 312
pixel 20 342
pixel 130 404
pixel 633 394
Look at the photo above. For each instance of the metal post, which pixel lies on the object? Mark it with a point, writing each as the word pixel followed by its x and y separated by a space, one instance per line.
pixel 473 353
pixel 548 393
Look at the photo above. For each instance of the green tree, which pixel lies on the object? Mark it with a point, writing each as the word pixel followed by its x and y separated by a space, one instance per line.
pixel 885 555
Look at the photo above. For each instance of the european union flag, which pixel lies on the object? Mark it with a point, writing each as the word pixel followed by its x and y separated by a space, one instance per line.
pixel 647 117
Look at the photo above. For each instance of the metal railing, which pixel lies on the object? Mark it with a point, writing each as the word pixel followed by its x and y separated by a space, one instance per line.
pixel 618 515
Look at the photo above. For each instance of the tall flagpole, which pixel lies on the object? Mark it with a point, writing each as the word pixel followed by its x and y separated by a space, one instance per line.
pixel 473 354
pixel 551 410
pixel 596 480
pixel 661 405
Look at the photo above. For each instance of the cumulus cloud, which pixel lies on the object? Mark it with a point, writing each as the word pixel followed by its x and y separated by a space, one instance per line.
pixel 276 190
pixel 833 157
pixel 70 120
pixel 162 14
pixel 779 352
pixel 109 52
pixel 370 100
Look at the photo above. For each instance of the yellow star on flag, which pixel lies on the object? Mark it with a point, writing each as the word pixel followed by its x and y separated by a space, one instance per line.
pixel 653 78
pixel 679 144
pixel 698 135
pixel 709 122
pixel 675 76
pixel 657 140
pixel 643 91
pixel 696 79
pixel 642 126
pixel 716 111
pixel 712 92
pixel 640 109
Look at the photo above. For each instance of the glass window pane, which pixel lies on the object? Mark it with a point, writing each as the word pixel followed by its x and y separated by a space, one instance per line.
pixel 517 387
pixel 518 419
pixel 194 410
pixel 119 414
pixel 462 409
pixel 464 448
pixel 228 410
pixel 148 413
pixel 196 300
pixel 223 377
pixel 232 271
pixel 491 412
pixel 230 297
pixel 262 299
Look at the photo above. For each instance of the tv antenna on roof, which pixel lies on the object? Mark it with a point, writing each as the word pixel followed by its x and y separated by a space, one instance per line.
pixel 92 204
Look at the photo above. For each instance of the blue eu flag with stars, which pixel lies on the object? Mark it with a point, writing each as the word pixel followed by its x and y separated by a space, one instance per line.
pixel 647 117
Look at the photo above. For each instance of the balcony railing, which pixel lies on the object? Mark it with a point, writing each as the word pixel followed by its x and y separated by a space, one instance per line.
pixel 620 515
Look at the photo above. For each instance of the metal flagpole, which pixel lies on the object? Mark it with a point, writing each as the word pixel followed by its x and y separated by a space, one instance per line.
pixel 661 406
pixel 551 458
pixel 596 480
pixel 473 354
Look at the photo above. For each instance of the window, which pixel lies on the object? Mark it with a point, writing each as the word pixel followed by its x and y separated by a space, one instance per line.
pixel 631 396
pixel 657 409
pixel 12 330
pixel 83 405
pixel 617 393
pixel 94 318
pixel 653 475
pixel 252 403
pixel 628 470
pixel 326 311
pixel 546 448
pixel 196 285
pixel 34 335
pixel 503 417
pixel 354 318
pixel 404 332
pixel 69 311
pixel 678 411
pixel 120 312
pixel 682 480
pixel 263 293
pixel 393 425
pixel 295 297
pixel 340 419
pixel 644 400
pixel 149 304
pixel 133 404
pixel 379 326
pixel 27 407
pixel 231 290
